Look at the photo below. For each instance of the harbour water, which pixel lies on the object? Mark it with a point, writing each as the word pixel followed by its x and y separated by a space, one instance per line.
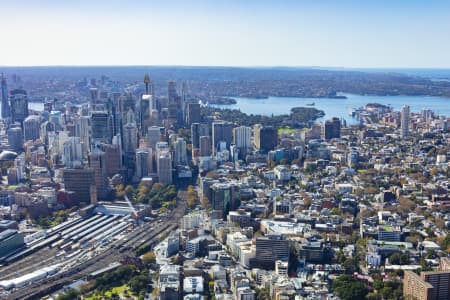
pixel 338 107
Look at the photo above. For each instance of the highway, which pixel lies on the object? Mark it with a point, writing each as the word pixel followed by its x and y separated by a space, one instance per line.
pixel 147 234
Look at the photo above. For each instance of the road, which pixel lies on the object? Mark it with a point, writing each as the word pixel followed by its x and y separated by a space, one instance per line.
pixel 148 234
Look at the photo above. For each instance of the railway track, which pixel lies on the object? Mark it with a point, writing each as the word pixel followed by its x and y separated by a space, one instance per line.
pixel 20 267
pixel 113 254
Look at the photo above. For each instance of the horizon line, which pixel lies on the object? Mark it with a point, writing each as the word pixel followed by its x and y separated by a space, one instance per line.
pixel 228 66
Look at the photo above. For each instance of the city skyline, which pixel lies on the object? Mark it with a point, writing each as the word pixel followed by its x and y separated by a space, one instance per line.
pixel 353 34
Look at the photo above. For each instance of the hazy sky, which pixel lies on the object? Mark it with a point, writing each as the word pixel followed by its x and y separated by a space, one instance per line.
pixel 344 33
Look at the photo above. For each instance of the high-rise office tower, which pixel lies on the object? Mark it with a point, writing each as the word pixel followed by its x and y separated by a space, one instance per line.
pixel 15 137
pixel 404 121
pixel 332 129
pixel 242 139
pixel 19 105
pixel 147 82
pixel 174 106
pixel 97 163
pixel 126 102
pixel 271 248
pixel 164 166
pixel 72 153
pixel 205 146
pixel 6 111
pixel 56 118
pixel 31 128
pixel 94 93
pixel 153 136
pixel 130 143
pixel 198 130
pixel 265 138
pixel 192 113
pixel 82 130
pixel 221 132
pixel 100 127
pixel 114 119
pixel 146 105
pixel 180 152
pixel 172 91
pixel 224 197
pixel 149 86
pixel 113 159
pixel 145 109
pixel 184 101
pixel 142 163
pixel 184 91
pixel 161 146
pixel 80 182
pixel 221 198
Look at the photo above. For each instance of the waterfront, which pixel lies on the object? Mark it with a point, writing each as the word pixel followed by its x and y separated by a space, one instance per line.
pixel 337 107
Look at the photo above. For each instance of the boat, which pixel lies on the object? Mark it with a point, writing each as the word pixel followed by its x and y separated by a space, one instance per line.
pixel 310 104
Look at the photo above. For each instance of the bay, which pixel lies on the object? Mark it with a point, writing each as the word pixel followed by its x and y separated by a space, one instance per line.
pixel 337 107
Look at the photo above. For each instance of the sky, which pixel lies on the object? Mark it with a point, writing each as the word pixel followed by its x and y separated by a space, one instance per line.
pixel 327 33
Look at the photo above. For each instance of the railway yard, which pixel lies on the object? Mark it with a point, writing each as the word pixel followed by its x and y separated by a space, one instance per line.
pixel 79 247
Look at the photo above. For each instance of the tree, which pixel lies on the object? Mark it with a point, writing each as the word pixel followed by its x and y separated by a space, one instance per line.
pixel 348 288
pixel 263 294
pixel 205 202
pixel 191 197
pixel 149 258
pixel 350 265
pixel 120 190
pixel 138 283
pixel 71 294
pixel 434 171
pixel 406 205
pixel 129 191
pixel 399 259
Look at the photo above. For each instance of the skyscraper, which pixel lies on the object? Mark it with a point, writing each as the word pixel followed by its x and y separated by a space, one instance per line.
pixel 205 146
pixel 19 105
pixel 404 121
pixel 270 248
pixel 126 102
pixel 113 159
pixel 222 132
pixel 153 136
pixel 172 91
pixel 198 130
pixel 97 163
pixel 31 128
pixel 142 163
pixel 79 181
pixel 147 82
pixel 130 143
pixel 331 129
pixel 6 111
pixel 184 101
pixel 82 130
pixel 180 152
pixel 242 139
pixel 94 93
pixel 15 138
pixel 145 109
pixel 192 113
pixel 72 152
pixel 265 137
pixel 100 127
pixel 164 167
